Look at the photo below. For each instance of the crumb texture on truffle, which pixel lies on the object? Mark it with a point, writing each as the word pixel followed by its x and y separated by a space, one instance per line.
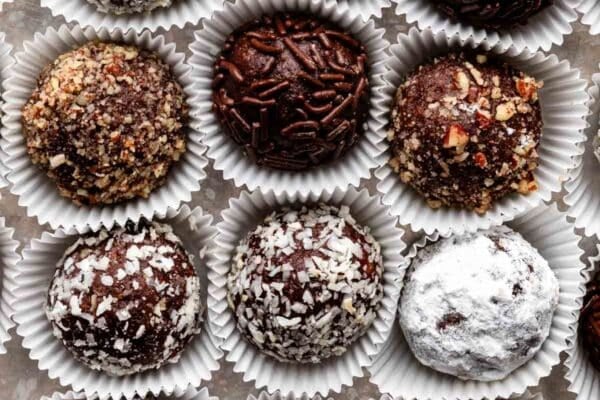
pixel 119 7
pixel 306 283
pixel 479 305
pixel 293 90
pixel 127 300
pixel 493 14
pixel 105 122
pixel 465 131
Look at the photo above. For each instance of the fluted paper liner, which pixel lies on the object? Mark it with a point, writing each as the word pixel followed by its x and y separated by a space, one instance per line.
pixel 228 156
pixel 590 10
pixel 526 396
pixel 180 13
pixel 583 186
pixel 264 395
pixel 6 61
pixel 8 272
pixel 36 191
pixel 584 379
pixel 398 373
pixel 189 394
pixel 295 379
pixel 564 109
pixel 198 360
pixel 547 27
pixel 366 8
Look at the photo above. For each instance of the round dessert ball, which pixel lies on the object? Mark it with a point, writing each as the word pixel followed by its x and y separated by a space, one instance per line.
pixel 293 90
pixel 493 14
pixel 465 131
pixel 478 305
pixel 105 123
pixel 129 6
pixel 305 284
pixel 589 323
pixel 127 300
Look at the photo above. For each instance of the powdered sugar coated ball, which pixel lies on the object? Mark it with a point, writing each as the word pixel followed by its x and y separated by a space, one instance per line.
pixel 478 305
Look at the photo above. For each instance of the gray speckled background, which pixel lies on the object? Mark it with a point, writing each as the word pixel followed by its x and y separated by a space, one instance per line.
pixel 19 377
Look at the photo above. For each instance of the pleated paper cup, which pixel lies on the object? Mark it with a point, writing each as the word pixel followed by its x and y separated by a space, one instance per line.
pixel 398 373
pixel 583 186
pixel 36 191
pixel 180 13
pixel 8 272
pixel 198 360
pixel 547 27
pixel 526 396
pixel 366 8
pixel 189 394
pixel 564 109
pixel 278 396
pixel 584 379
pixel 590 10
pixel 228 156
pixel 6 61
pixel 293 379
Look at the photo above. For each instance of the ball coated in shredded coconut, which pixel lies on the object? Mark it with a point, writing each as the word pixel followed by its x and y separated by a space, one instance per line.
pixel 106 123
pixel 129 6
pixel 478 305
pixel 305 284
pixel 127 300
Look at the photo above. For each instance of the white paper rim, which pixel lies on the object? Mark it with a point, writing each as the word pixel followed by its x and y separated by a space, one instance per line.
pixel 179 14
pixel 8 272
pixel 66 396
pixel 526 396
pixel 583 378
pixel 6 60
pixel 301 379
pixel 542 30
pixel 264 395
pixel 583 187
pixel 189 394
pixel 36 191
pixel 198 360
pixel 228 157
pixel 564 110
pixel 398 373
pixel 366 8
pixel 590 10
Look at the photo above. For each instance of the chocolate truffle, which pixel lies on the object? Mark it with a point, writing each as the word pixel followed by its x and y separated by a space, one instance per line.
pixel 465 129
pixel 293 90
pixel 129 6
pixel 305 284
pixel 106 123
pixel 589 323
pixel 127 300
pixel 493 14
pixel 478 305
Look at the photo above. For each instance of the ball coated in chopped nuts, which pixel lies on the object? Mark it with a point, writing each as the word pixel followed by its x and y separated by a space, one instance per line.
pixel 129 6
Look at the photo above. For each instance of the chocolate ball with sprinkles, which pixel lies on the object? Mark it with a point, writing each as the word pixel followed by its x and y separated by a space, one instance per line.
pixel 126 300
pixel 465 131
pixel 306 283
pixel 119 7
pixel 293 90
pixel 106 123
pixel 478 305
pixel 493 14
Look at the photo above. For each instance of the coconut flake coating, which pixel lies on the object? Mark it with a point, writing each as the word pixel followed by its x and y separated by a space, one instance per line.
pixel 127 300
pixel 129 6
pixel 478 305
pixel 305 284
pixel 465 131
pixel 105 123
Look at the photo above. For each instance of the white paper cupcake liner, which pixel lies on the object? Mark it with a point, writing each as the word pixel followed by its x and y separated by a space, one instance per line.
pixel 542 30
pixel 189 394
pixel 228 156
pixel 584 379
pixel 590 10
pixel 180 13
pixel 526 396
pixel 398 373
pixel 583 186
pixel 199 359
pixel 278 396
pixel 8 272
pixel 563 100
pixel 301 379
pixel 35 190
pixel 6 61
pixel 366 8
